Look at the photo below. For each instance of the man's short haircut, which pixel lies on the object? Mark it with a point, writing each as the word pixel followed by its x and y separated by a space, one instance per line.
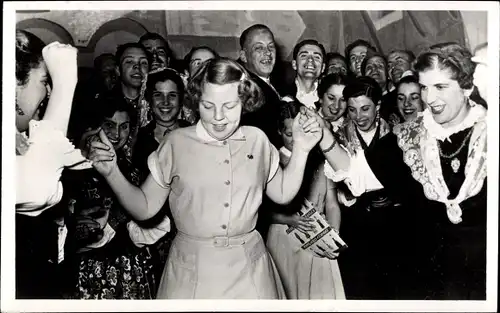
pixel 156 36
pixel 247 32
pixel 122 48
pixel 356 43
pixel 311 42
pixel 410 54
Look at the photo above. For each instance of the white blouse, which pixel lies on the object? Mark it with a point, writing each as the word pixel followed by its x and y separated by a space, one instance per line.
pixel 39 168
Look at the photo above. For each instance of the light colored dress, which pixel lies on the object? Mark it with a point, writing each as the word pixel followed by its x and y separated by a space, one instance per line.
pixel 305 276
pixel 216 188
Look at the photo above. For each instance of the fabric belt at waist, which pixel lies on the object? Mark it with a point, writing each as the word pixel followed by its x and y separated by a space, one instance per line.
pixel 220 241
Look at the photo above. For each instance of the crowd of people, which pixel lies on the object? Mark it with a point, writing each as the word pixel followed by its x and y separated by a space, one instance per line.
pixel 163 177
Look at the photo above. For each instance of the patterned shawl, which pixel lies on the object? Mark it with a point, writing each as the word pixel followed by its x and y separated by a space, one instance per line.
pixel 418 141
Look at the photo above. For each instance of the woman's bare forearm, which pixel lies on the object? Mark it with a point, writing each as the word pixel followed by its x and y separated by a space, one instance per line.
pixel 59 105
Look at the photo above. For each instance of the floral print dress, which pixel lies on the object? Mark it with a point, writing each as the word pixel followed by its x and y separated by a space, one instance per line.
pixel 118 269
pixel 125 274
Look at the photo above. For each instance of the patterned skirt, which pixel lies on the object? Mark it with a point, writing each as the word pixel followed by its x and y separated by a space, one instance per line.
pixel 119 270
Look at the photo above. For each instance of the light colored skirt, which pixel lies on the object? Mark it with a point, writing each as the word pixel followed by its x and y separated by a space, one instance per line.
pixel 220 268
pixel 304 276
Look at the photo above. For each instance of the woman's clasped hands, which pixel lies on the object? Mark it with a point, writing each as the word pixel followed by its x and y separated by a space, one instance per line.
pixel 307 129
pixel 102 154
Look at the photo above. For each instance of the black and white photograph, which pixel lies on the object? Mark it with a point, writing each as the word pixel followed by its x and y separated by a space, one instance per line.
pixel 212 151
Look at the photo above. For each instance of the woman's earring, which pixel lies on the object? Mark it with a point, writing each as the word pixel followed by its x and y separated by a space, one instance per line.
pixel 19 110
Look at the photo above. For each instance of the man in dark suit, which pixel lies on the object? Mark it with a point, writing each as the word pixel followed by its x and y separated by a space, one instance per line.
pixel 258 56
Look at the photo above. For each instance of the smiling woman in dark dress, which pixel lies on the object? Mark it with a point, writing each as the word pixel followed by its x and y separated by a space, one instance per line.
pixel 165 92
pixel 436 166
pixel 367 264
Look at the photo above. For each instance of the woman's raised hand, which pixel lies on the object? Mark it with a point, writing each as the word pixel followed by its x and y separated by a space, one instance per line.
pixel 61 62
pixel 103 155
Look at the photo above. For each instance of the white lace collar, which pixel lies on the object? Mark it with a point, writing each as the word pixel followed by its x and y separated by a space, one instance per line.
pixel 436 131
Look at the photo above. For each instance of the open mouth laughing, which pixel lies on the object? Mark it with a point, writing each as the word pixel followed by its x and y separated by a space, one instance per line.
pixel 409 111
pixel 267 62
pixel 437 109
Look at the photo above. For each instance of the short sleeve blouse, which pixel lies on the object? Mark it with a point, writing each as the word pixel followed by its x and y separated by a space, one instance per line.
pixel 216 187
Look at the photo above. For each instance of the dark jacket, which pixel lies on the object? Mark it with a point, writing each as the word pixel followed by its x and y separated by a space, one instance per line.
pixel 267 116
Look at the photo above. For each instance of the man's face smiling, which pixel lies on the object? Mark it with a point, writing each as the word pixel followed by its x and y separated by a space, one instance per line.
pixel 259 53
pixel 309 62
pixel 134 66
pixel 398 63
pixel 356 57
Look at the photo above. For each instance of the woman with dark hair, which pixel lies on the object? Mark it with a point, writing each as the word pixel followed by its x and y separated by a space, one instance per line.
pixel 46 77
pixel 435 166
pixel 332 104
pixel 110 255
pixel 42 73
pixel 214 175
pixel 474 92
pixel 165 93
pixel 355 53
pixel 366 264
pixel 409 98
